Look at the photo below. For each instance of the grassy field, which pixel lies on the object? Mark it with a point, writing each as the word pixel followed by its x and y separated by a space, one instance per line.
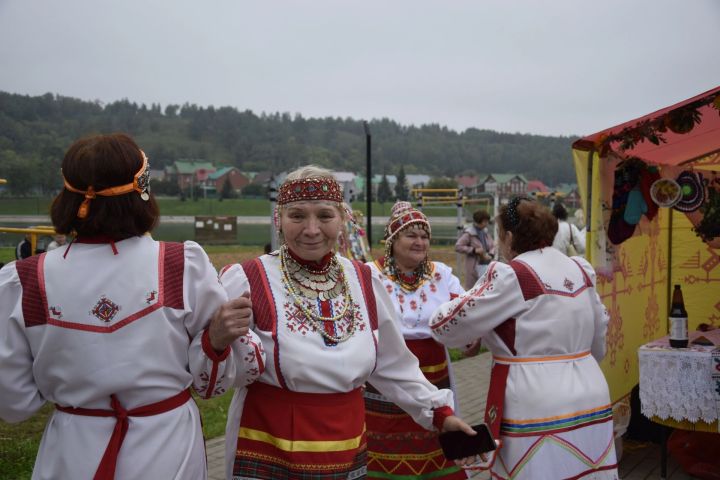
pixel 230 207
pixel 19 442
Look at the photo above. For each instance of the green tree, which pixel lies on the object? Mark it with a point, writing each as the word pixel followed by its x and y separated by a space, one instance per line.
pixel 384 193
pixel 442 182
pixel 401 188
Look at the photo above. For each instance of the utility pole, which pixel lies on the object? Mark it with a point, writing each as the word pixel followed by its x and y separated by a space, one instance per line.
pixel 368 180
pixel 272 192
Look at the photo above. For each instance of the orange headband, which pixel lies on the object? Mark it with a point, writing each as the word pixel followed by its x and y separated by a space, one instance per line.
pixel 140 184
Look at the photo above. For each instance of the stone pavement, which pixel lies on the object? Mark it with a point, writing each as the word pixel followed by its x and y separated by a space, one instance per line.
pixel 472 378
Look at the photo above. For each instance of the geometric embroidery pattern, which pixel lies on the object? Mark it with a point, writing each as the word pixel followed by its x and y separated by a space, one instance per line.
pixel 105 309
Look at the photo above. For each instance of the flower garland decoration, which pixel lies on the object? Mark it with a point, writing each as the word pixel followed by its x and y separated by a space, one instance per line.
pixel 681 120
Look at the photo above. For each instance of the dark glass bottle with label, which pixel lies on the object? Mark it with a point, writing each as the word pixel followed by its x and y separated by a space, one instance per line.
pixel 678 320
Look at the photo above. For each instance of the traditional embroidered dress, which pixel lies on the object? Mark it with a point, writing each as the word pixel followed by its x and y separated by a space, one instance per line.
pixel 543 321
pixel 305 416
pixel 397 446
pixel 116 330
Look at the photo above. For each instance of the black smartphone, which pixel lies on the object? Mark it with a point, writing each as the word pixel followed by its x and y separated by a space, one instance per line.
pixel 460 445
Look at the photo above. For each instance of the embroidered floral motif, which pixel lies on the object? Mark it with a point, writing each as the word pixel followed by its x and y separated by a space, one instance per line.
pixel 423 296
pixel 105 309
pixel 56 311
pixel 297 322
pixel 413 305
pixel 568 284
pixel 437 276
pixel 150 297
pixel 389 288
pixel 433 287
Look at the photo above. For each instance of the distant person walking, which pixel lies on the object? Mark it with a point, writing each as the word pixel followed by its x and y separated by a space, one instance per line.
pixel 477 245
pixel 568 239
pixel 58 241
pixel 24 248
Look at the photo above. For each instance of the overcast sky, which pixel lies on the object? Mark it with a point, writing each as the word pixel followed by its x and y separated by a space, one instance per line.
pixel 551 67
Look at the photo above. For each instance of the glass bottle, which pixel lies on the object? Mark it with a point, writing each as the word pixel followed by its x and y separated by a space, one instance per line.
pixel 678 320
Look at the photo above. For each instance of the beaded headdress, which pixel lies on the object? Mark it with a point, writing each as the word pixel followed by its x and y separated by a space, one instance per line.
pixel 312 188
pixel 402 217
pixel 140 184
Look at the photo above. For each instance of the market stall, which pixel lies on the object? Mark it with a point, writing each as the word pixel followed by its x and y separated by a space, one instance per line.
pixel 650 188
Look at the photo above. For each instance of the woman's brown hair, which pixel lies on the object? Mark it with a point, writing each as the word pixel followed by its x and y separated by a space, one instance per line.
pixel 101 162
pixel 533 225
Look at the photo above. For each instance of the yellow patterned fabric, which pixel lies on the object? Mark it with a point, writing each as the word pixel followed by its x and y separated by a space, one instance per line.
pixel 635 278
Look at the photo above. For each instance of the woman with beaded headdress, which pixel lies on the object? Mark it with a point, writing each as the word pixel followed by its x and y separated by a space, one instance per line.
pixel 114 329
pixel 541 317
pixel 327 325
pixel 397 446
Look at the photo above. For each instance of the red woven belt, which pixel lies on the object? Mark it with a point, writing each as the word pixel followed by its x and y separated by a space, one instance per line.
pixel 106 469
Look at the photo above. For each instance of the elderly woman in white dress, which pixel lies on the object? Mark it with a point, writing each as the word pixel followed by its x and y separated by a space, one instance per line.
pixel 542 319
pixel 397 446
pixel 327 325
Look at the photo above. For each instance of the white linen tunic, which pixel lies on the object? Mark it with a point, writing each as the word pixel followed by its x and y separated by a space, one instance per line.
pixel 299 359
pixel 132 324
pixel 543 319
pixel 413 309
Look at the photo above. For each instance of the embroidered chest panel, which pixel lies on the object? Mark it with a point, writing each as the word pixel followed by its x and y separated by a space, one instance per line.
pixel 108 298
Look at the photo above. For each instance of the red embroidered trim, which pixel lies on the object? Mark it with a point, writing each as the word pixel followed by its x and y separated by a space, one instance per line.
pixel 216 359
pixel 365 276
pixel 496 397
pixel 529 283
pixel 263 306
pixel 258 356
pixel 440 414
pixel 172 271
pixel 171 266
pixel 588 280
pixel 506 332
pixel 210 351
pixel 472 293
pixel 33 302
pixel 532 286
pixel 316 188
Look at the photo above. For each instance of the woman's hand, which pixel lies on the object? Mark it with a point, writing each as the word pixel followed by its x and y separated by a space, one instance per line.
pixel 454 423
pixel 232 320
pixel 473 349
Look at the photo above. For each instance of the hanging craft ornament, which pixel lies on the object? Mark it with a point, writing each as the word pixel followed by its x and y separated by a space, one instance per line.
pixel 692 191
pixel 665 192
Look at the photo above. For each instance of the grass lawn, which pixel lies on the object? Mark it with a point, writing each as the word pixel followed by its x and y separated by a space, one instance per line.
pixel 7 254
pixel 19 442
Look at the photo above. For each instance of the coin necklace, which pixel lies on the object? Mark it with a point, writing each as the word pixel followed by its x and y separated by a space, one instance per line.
pixel 286 262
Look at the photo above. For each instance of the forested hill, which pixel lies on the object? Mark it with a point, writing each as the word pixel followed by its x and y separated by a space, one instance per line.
pixel 36 131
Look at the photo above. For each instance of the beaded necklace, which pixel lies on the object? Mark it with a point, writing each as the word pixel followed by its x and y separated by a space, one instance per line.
pixel 314 318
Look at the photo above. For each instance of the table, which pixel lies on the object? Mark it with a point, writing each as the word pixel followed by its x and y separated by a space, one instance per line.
pixel 680 387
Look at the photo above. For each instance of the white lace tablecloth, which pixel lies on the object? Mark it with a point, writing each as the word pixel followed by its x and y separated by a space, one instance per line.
pixel 681 383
